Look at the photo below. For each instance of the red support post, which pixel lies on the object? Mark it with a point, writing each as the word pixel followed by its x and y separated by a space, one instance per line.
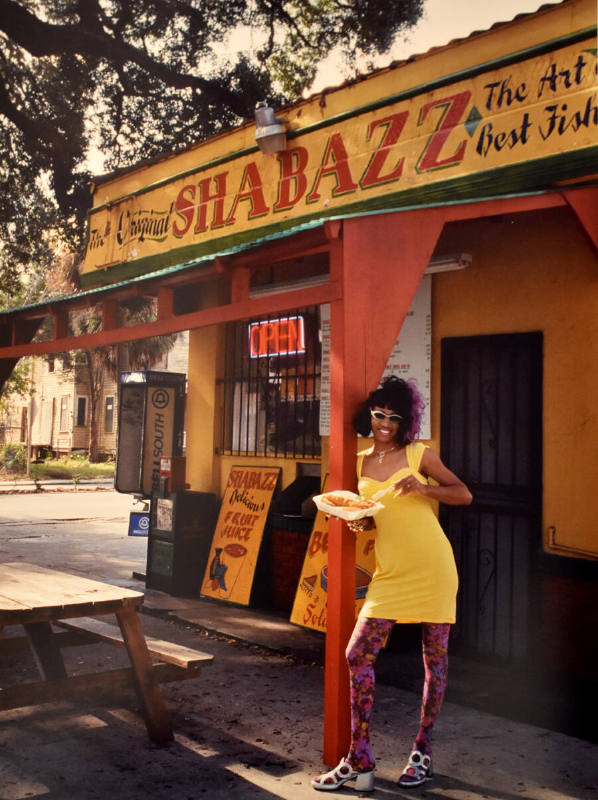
pixel 379 261
pixel 584 203
pixel 109 314
pixel 340 610
pixel 165 302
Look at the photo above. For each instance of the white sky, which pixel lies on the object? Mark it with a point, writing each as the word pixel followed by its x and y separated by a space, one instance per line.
pixel 443 20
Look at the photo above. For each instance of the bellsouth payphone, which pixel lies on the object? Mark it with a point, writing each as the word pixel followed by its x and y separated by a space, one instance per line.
pixel 151 414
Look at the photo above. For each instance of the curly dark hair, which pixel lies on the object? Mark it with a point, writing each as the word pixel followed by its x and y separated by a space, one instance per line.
pixel 403 398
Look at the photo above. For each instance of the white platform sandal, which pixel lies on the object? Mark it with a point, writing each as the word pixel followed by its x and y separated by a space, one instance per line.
pixel 418 770
pixel 341 774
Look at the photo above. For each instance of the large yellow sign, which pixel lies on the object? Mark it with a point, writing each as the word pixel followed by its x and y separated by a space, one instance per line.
pixel 238 535
pixel 520 127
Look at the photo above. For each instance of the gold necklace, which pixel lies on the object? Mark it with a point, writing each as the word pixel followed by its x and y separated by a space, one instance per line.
pixel 381 453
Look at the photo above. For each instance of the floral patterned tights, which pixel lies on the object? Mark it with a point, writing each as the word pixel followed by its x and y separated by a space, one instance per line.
pixel 369 636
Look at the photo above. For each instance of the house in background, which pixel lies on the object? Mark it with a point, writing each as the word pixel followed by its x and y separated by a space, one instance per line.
pixel 56 417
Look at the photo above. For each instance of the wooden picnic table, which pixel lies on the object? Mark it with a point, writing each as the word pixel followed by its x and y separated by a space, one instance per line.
pixel 36 597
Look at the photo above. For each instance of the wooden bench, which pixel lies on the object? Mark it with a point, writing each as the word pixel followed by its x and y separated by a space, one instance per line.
pixel 38 598
pixel 174 663
pixel 188 661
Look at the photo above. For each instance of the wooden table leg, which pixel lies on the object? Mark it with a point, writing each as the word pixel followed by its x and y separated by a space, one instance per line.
pixel 156 716
pixel 45 651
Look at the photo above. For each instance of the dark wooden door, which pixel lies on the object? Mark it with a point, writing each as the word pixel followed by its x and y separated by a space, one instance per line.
pixel 492 438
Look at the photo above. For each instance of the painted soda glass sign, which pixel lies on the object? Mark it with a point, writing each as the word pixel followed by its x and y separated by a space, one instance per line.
pixel 310 606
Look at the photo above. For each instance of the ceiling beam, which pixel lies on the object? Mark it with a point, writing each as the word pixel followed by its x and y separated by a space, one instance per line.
pixel 245 308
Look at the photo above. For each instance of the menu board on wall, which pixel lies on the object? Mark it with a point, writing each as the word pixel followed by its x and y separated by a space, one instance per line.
pixel 239 531
pixel 309 608
pixel 325 370
pixel 409 359
pixel 411 355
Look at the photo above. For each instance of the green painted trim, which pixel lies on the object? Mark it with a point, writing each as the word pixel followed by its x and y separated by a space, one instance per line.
pixel 529 178
pixel 455 77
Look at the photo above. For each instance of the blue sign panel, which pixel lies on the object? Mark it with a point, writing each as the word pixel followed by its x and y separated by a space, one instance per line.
pixel 139 523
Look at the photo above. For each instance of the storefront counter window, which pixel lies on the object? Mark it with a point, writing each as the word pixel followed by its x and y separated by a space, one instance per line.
pixel 271 385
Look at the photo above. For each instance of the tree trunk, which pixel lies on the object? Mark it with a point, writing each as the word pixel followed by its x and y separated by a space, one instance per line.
pixel 95 391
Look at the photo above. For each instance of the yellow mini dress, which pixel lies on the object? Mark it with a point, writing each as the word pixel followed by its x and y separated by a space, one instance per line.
pixel 416 577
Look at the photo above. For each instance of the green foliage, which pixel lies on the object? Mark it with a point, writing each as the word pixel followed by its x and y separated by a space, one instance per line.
pixel 13 461
pixel 74 468
pixel 34 472
pixel 13 458
pixel 19 383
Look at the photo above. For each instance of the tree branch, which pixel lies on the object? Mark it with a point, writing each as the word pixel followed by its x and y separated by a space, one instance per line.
pixel 41 38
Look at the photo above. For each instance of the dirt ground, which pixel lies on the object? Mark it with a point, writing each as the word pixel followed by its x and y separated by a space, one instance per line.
pixel 250 726
pixel 233 736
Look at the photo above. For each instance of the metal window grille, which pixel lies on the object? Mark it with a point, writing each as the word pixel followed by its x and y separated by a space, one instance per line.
pixel 270 392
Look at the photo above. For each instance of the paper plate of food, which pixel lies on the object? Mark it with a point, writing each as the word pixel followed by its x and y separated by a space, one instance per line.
pixel 346 505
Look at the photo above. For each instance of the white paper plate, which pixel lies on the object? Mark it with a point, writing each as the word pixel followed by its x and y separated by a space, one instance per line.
pixel 348 514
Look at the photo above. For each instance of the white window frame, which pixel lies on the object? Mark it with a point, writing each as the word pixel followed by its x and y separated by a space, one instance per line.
pixel 64 413
pixel 110 429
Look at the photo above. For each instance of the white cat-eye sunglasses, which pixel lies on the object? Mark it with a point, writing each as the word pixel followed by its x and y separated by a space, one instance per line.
pixel 396 418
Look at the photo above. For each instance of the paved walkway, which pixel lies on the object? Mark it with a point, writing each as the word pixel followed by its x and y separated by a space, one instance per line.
pixel 251 725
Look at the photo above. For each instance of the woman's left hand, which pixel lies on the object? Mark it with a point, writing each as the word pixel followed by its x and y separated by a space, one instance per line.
pixel 410 485
pixel 443 486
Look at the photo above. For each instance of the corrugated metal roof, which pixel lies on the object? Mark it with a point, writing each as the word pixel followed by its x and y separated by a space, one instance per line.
pixel 434 49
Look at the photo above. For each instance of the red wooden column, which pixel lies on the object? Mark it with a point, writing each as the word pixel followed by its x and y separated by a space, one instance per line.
pixel 585 204
pixel 379 261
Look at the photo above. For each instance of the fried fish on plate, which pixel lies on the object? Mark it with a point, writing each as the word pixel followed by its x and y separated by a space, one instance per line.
pixel 346 505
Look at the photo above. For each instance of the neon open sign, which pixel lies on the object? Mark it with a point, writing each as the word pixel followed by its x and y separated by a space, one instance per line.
pixel 277 337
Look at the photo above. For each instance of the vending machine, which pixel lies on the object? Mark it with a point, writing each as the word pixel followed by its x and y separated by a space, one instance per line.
pixel 181 528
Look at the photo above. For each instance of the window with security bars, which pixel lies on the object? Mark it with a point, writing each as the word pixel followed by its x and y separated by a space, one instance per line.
pixel 271 386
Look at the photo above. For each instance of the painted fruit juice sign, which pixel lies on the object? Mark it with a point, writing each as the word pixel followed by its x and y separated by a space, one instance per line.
pixel 239 531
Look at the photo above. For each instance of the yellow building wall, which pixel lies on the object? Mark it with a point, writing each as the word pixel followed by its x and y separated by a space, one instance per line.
pixel 536 272
pixel 530 272
pixel 200 417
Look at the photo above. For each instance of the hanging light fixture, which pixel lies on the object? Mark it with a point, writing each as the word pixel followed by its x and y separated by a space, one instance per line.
pixel 269 132
pixel 448 263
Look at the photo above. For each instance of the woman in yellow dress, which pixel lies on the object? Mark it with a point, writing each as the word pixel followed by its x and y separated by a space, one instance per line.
pixel 415 578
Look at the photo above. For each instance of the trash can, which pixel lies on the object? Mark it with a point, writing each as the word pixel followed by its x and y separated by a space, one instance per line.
pixel 289 538
pixel 285 544
pixel 181 528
